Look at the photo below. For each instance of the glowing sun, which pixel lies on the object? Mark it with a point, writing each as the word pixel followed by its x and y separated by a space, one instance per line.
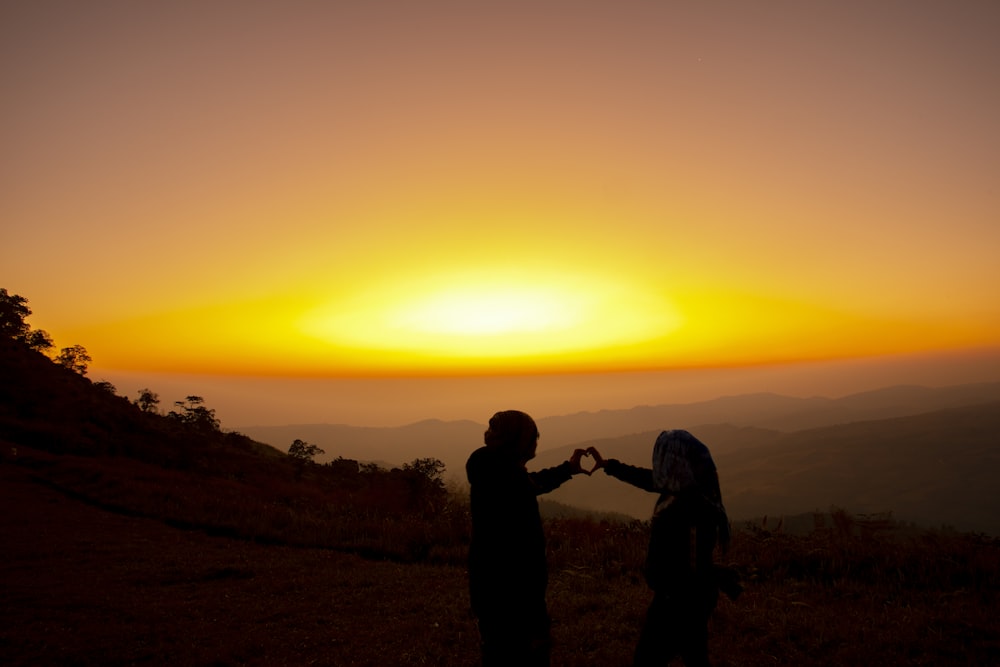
pixel 493 316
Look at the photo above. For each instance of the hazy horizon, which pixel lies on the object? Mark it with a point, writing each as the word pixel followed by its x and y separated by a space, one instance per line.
pixel 256 401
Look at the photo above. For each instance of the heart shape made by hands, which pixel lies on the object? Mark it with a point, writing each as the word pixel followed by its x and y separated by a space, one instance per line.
pixel 595 466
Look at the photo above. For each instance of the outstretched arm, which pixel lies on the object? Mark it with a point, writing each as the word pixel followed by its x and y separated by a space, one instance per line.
pixel 638 477
pixel 551 479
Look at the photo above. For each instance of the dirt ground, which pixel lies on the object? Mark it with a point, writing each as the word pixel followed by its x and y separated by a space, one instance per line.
pixel 82 586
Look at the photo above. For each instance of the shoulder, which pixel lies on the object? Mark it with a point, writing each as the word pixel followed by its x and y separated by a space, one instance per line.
pixel 478 455
pixel 487 463
pixel 478 460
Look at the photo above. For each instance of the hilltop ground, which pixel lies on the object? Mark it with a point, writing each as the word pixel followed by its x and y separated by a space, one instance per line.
pixel 85 586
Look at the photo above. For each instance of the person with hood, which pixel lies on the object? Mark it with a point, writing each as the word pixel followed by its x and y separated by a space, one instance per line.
pixel 508 573
pixel 688 521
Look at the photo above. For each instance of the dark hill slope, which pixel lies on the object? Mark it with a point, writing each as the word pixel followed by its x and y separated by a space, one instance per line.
pixel 62 431
pixel 936 468
pixel 48 407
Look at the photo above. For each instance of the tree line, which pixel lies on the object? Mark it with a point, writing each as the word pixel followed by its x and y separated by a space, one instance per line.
pixel 422 474
pixel 14 312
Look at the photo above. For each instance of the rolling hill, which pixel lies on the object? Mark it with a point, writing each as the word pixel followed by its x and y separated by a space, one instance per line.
pixel 452 441
pixel 933 468
pixel 926 454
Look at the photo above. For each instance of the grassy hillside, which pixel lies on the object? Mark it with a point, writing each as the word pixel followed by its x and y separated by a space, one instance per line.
pixel 83 439
pixel 135 538
pixel 97 571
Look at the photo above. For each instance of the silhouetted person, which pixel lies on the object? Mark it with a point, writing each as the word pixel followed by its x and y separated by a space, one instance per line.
pixel 507 567
pixel 688 520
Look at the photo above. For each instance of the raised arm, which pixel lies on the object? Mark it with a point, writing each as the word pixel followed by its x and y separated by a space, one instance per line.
pixel 634 475
pixel 551 479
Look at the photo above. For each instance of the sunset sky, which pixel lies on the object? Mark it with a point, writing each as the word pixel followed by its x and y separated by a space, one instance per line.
pixel 307 192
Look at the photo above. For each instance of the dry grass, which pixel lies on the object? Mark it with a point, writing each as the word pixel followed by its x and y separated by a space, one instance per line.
pixel 97 571
pixel 83 586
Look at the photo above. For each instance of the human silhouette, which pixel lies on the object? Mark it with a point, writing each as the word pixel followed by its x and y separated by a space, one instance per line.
pixel 507 568
pixel 688 521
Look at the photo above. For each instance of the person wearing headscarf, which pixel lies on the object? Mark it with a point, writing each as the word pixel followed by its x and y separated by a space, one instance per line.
pixel 508 573
pixel 688 521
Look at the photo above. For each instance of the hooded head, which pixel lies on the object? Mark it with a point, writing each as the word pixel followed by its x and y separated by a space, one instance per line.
pixel 683 468
pixel 678 461
pixel 514 432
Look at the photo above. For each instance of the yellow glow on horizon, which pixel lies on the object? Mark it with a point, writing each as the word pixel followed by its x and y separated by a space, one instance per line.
pixel 525 321
pixel 504 315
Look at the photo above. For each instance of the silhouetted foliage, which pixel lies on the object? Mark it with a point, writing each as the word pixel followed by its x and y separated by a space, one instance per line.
pixel 430 469
pixel 40 340
pixel 424 478
pixel 50 406
pixel 75 358
pixel 14 311
pixel 106 386
pixel 303 451
pixel 342 466
pixel 148 400
pixel 195 415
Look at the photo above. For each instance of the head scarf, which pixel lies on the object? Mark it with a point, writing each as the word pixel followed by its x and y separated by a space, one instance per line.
pixel 679 460
pixel 683 464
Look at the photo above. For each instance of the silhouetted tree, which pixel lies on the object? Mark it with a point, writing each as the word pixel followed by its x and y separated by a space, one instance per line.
pixel 427 489
pixel 303 451
pixel 39 340
pixel 195 415
pixel 74 358
pixel 13 313
pixel 106 386
pixel 430 469
pixel 148 400
pixel 344 467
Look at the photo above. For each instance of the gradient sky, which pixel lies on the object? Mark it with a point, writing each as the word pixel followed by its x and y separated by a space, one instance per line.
pixel 402 188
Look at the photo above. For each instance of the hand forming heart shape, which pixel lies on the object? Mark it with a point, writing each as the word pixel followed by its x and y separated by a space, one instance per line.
pixel 593 469
pixel 577 458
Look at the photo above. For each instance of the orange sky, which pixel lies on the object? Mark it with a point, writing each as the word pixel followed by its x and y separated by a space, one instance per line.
pixel 393 188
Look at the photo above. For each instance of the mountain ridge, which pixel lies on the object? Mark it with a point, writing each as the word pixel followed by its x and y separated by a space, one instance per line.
pixel 932 457
pixel 452 441
pixel 935 468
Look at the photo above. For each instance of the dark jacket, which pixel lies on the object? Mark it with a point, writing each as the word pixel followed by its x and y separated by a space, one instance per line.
pixel 507 567
pixel 683 532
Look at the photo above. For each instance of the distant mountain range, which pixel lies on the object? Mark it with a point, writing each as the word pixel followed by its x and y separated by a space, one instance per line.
pixel 932 469
pixel 929 455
